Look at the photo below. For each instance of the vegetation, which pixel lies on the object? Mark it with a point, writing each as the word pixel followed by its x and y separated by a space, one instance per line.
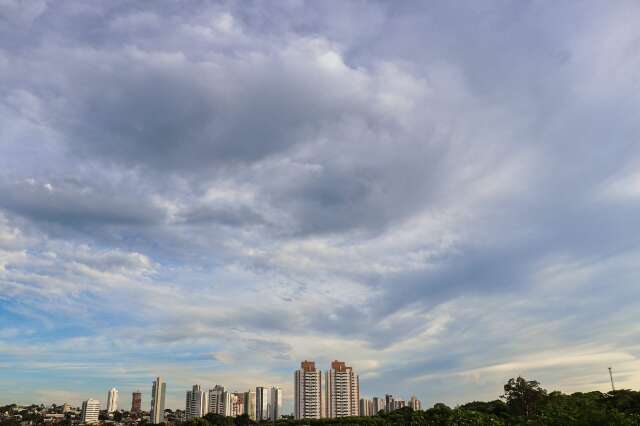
pixel 523 403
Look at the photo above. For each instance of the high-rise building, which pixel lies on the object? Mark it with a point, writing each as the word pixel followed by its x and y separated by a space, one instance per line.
pixel 237 404
pixel 250 404
pixel 112 400
pixel 262 403
pixel 366 407
pixel 415 403
pixel 388 403
pixel 136 402
pixel 90 411
pixel 342 391
pixel 158 393
pixel 219 401
pixel 275 403
pixel 66 408
pixel 196 404
pixel 378 405
pixel 398 404
pixel 307 395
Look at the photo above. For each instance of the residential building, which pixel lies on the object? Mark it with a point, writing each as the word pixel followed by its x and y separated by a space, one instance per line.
pixel 196 404
pixel 250 404
pixel 237 404
pixel 275 403
pixel 366 407
pixel 90 411
pixel 307 396
pixel 65 408
pixel 378 405
pixel 342 391
pixel 398 404
pixel 388 403
pixel 219 401
pixel 262 403
pixel 136 402
pixel 158 394
pixel 415 403
pixel 112 400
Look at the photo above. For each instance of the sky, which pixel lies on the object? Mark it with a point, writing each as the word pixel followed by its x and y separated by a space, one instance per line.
pixel 442 194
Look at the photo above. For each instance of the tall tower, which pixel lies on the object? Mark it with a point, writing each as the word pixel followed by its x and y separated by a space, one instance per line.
pixel 219 401
pixel 342 390
pixel 250 404
pixel 136 402
pixel 262 403
pixel 158 393
pixel 308 392
pixel 112 400
pixel 275 409
pixel 196 404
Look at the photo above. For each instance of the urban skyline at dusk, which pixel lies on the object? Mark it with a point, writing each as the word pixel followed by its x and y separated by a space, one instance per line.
pixel 442 195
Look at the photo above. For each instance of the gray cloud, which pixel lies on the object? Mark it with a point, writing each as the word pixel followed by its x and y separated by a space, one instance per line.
pixel 425 189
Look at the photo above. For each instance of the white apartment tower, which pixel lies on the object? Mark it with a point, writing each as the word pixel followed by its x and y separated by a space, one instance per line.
pixel 342 391
pixel 90 411
pixel 196 404
pixel 112 400
pixel 308 392
pixel 158 393
pixel 275 404
pixel 262 403
pixel 219 401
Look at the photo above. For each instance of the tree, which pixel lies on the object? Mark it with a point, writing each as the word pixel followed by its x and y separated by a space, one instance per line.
pixel 523 396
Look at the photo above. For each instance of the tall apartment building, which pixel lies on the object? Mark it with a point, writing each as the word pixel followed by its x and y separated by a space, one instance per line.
pixel 415 403
pixel 307 395
pixel 366 407
pixel 196 404
pixel 398 404
pixel 158 394
pixel 378 405
pixel 389 403
pixel 275 403
pixel 262 403
pixel 237 404
pixel 136 402
pixel 90 411
pixel 250 404
pixel 112 400
pixel 219 401
pixel 342 391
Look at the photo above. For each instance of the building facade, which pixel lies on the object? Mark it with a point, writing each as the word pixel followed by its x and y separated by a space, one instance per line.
pixel 90 411
pixel 112 400
pixel 415 403
pixel 237 404
pixel 219 401
pixel 366 407
pixel 250 404
pixel 342 391
pixel 196 404
pixel 275 403
pixel 136 402
pixel 378 405
pixel 262 403
pixel 307 396
pixel 158 394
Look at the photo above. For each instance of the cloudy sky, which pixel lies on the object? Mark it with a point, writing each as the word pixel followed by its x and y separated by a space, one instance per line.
pixel 443 194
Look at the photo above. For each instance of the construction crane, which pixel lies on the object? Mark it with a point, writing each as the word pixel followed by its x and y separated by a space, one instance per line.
pixel 613 388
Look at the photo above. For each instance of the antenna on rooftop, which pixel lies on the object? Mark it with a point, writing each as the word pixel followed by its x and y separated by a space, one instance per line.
pixel 613 388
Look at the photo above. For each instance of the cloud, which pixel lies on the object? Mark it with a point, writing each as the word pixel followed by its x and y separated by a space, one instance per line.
pixel 440 192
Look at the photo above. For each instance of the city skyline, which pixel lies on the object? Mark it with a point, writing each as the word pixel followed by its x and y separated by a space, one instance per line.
pixel 442 194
